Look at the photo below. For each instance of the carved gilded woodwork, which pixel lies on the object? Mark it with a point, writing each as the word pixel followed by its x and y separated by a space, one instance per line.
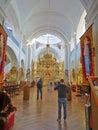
pixel 48 68
pixel 13 74
pixel 21 74
pixel 88 34
pixel 79 71
pixel 79 76
pixel 3 39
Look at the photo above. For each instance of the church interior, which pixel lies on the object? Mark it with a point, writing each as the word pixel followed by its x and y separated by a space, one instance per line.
pixel 51 40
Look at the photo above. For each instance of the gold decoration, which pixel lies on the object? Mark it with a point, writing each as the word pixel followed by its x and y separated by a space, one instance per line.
pixel 48 68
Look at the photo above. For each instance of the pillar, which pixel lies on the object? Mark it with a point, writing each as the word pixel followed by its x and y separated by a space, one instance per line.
pixel 29 60
pixel 67 62
pixel 75 56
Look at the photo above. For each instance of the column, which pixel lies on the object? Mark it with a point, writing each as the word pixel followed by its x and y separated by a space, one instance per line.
pixel 31 47
pixel 20 51
pixel 29 59
pixel 75 56
pixel 26 61
pixel 66 62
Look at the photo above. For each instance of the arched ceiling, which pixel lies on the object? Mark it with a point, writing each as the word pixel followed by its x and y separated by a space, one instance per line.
pixel 30 16
pixel 11 57
pixel 38 17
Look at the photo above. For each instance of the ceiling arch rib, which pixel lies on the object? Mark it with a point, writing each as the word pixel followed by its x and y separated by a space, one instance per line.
pixel 11 55
pixel 87 4
pixel 49 16
pixel 63 24
pixel 12 19
pixel 15 8
pixel 42 31
pixel 25 7
pixel 31 7
pixel 34 13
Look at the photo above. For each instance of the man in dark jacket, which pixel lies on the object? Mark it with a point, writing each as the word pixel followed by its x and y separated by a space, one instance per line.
pixel 39 88
pixel 62 90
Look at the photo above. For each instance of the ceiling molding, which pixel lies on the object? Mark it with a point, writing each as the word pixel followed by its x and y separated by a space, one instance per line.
pixel 53 30
pixel 50 14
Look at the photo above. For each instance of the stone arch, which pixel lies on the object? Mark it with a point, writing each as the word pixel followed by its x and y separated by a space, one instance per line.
pixel 53 31
pixel 11 59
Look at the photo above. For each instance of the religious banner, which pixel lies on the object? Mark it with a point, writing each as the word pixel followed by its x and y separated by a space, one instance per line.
pixel 87 58
pixel 3 39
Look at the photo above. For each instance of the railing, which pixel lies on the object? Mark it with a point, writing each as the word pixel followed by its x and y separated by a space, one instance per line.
pixel 11 88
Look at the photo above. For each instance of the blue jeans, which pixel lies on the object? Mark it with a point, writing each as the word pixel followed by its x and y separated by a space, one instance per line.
pixel 62 101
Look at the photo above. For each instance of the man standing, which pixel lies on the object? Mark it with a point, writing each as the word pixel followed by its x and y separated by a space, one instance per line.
pixel 62 90
pixel 39 89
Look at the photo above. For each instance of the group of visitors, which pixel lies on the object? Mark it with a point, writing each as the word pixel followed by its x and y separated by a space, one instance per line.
pixel 62 96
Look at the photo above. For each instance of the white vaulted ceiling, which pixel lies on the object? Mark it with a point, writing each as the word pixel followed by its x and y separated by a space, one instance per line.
pixel 39 17
pixel 32 17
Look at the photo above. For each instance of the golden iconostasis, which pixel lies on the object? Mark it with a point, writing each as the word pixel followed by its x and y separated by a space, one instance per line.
pixel 48 68
pixel 76 76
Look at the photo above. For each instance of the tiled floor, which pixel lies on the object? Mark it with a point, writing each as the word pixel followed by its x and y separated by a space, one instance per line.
pixel 42 114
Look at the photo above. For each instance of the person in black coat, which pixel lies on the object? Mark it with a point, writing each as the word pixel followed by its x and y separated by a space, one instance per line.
pixel 39 89
pixel 62 99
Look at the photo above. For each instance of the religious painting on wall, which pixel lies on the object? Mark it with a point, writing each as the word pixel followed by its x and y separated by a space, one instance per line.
pixel 14 75
pixel 87 57
pixel 3 40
